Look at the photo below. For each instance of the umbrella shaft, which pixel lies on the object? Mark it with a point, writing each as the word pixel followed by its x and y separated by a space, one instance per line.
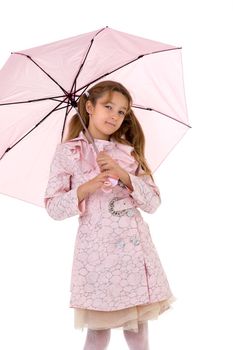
pixel 88 133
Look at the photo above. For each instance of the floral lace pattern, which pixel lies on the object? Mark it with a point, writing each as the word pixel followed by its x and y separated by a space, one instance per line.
pixel 115 263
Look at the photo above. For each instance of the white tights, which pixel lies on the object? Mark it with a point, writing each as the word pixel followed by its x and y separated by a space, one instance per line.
pixel 99 339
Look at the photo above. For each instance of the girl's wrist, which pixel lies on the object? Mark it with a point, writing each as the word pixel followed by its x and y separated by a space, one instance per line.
pixel 125 178
pixel 81 192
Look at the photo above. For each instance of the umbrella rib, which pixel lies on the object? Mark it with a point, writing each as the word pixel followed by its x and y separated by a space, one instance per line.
pixel 55 98
pixel 64 123
pixel 9 148
pixel 20 53
pixel 166 115
pixel 58 109
pixel 80 68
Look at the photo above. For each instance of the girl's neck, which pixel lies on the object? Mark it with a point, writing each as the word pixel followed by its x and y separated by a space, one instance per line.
pixel 95 138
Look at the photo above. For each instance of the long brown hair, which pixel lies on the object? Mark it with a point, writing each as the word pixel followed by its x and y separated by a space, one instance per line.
pixel 130 131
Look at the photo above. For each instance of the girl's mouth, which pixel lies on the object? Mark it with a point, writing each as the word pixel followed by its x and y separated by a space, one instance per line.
pixel 110 124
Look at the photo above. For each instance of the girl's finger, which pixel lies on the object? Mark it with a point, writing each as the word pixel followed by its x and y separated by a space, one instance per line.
pixel 112 175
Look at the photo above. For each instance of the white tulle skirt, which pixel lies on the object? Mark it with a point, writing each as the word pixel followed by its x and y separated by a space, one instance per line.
pixel 124 319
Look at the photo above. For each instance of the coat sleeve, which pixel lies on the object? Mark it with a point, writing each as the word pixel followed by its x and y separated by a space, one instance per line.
pixel 146 193
pixel 60 200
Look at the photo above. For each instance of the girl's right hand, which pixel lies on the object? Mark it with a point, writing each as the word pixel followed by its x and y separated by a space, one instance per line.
pixel 97 182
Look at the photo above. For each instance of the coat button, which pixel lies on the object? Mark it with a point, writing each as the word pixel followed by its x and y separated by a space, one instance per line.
pixel 130 212
pixel 120 244
pixel 135 240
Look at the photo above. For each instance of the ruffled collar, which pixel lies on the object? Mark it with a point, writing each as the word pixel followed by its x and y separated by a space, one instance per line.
pixel 82 136
pixel 106 144
pixel 119 151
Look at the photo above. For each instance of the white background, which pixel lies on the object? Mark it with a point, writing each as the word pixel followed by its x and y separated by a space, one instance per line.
pixel 192 228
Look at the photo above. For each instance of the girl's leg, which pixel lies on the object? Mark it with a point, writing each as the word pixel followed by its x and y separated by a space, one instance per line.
pixel 97 339
pixel 138 341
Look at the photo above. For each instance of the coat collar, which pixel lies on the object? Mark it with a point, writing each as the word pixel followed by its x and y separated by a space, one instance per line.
pixel 106 144
pixel 119 151
pixel 83 137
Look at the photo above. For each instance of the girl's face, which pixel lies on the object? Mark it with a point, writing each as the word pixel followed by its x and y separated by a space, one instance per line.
pixel 106 118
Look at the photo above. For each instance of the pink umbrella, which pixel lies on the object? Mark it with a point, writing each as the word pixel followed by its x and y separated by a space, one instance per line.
pixel 41 86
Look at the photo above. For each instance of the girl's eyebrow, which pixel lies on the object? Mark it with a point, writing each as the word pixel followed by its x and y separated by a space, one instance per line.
pixel 120 107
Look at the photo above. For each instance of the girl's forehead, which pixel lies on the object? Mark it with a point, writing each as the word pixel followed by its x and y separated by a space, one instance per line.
pixel 115 97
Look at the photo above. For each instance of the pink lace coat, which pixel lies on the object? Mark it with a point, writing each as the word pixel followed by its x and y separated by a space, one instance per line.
pixel 115 263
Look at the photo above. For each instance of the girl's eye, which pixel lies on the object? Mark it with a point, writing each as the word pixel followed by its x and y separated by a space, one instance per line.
pixel 123 113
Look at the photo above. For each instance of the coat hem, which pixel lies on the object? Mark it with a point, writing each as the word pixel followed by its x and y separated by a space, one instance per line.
pixel 170 297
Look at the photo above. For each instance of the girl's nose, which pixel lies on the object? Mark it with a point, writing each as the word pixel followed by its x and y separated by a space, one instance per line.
pixel 113 119
pixel 114 116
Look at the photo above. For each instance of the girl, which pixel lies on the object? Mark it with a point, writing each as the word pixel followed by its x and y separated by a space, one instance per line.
pixel 117 279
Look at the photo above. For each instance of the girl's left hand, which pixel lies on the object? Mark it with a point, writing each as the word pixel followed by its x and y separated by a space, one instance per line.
pixel 106 163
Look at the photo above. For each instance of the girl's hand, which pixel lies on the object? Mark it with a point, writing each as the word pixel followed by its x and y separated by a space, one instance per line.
pixel 106 163
pixel 95 183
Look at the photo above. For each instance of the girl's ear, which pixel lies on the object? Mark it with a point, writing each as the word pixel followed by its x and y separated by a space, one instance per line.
pixel 89 107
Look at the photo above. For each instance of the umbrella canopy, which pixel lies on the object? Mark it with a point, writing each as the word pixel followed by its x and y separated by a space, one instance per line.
pixel 39 85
